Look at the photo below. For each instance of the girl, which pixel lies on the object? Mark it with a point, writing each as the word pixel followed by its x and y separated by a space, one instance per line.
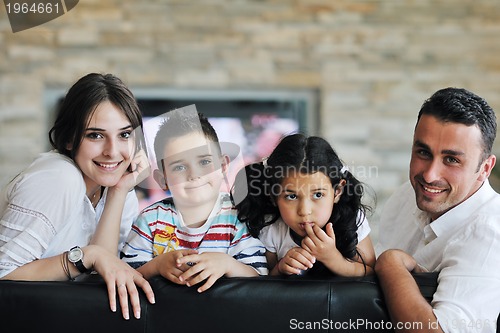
pixel 69 212
pixel 306 208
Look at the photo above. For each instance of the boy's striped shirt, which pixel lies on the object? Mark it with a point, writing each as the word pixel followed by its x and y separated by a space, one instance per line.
pixel 160 228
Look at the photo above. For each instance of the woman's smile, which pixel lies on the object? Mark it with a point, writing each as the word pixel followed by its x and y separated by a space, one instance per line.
pixel 108 166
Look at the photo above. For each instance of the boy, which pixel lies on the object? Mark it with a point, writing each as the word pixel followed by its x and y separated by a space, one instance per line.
pixel 194 236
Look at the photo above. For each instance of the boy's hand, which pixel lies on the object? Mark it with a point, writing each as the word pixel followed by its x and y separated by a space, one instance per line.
pixel 295 261
pixel 167 265
pixel 208 267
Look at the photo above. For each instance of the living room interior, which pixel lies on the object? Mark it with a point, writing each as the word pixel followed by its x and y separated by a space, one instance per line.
pixel 355 72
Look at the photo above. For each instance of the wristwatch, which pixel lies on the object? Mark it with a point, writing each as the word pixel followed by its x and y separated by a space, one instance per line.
pixel 75 256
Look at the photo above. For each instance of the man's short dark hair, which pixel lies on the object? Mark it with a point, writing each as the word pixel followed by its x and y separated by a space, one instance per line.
pixel 458 105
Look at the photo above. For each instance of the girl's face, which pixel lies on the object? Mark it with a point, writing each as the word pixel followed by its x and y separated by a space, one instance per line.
pixel 106 149
pixel 306 199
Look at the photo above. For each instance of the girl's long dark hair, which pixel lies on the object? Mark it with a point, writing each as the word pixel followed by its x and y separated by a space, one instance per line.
pixel 258 184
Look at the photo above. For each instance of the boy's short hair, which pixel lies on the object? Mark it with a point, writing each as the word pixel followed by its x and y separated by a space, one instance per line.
pixel 178 123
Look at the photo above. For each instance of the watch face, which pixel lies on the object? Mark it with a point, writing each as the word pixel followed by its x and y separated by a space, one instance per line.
pixel 75 255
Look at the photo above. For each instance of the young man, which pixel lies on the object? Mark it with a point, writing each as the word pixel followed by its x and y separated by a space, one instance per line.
pixel 194 236
pixel 445 219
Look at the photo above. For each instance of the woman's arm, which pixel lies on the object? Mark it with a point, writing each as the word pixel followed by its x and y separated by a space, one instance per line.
pixel 43 202
pixel 120 278
pixel 107 234
pixel 47 269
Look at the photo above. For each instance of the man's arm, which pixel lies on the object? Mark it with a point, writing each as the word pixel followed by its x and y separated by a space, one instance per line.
pixel 409 310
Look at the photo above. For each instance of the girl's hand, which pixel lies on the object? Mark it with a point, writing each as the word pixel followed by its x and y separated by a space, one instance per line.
pixel 208 266
pixel 321 244
pixel 120 278
pixel 295 261
pixel 168 265
pixel 138 170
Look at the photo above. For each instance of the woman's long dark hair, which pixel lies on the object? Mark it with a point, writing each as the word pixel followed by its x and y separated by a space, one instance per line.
pixel 258 184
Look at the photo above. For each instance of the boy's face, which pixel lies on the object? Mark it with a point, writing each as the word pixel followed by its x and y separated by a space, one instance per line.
pixel 193 168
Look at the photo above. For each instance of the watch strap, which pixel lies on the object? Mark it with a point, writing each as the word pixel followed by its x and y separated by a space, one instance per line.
pixel 79 263
pixel 81 267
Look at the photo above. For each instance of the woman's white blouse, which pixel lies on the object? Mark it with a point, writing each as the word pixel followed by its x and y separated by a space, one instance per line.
pixel 45 211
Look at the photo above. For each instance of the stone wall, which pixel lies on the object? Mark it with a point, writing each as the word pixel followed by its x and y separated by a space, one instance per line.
pixel 372 63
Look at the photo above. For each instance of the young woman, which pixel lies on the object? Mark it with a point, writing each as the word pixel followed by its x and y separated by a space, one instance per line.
pixel 306 209
pixel 70 211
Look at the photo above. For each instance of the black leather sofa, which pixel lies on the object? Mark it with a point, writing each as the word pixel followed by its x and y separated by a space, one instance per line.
pixel 240 305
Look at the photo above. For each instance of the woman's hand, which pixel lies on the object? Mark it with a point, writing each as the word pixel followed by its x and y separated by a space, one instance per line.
pixel 138 170
pixel 107 233
pixel 295 261
pixel 120 279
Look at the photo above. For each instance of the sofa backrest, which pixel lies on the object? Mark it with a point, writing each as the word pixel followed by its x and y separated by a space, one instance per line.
pixel 265 304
